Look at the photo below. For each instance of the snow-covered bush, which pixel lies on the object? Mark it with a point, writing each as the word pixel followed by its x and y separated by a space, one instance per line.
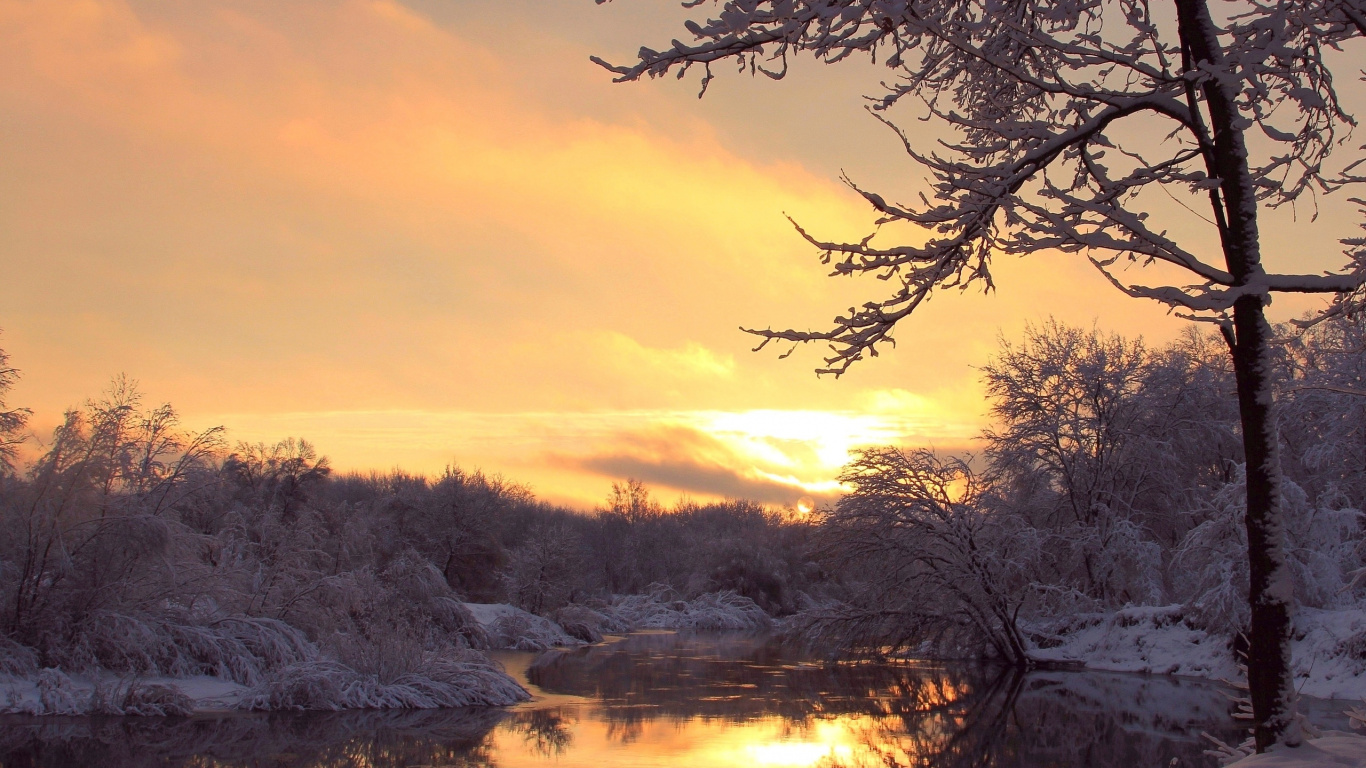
pixel 513 628
pixel 134 697
pixel 586 624
pixel 663 608
pixel 466 679
pixel 238 648
pixel 57 695
pixel 1209 566
pixel 15 659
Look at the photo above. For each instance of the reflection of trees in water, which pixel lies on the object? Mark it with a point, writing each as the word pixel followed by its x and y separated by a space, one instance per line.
pixel 950 716
pixel 545 731
pixel 1055 719
pixel 446 738
pixel 736 678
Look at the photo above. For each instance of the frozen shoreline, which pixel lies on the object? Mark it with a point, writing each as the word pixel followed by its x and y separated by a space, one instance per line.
pixel 1330 663
pixel 1329 649
pixel 317 682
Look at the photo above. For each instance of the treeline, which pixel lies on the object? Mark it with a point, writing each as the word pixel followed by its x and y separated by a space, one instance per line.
pixel 1112 477
pixel 134 546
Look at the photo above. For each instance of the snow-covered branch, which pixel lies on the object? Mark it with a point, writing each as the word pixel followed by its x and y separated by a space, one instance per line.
pixel 1035 93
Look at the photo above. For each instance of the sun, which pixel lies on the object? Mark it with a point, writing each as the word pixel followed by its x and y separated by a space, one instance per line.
pixel 806 505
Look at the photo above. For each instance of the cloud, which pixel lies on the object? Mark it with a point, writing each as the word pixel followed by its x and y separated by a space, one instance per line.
pixel 683 458
pixel 572 457
pixel 364 210
pixel 417 242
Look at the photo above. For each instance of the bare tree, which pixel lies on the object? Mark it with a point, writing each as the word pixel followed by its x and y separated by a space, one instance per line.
pixel 12 421
pixel 1067 402
pixel 1055 106
pixel 542 574
pixel 939 570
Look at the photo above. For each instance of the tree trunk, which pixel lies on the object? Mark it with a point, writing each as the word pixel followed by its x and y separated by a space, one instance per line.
pixel 1271 588
pixel 1271 591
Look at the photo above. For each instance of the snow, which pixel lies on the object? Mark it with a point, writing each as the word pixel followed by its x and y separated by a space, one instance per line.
pixel 468 679
pixel 52 692
pixel 662 608
pixel 1139 639
pixel 512 628
pixel 473 680
pixel 1333 748
pixel 1328 651
pixel 307 679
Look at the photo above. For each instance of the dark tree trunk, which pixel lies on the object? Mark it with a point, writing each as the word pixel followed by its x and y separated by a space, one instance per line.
pixel 1271 590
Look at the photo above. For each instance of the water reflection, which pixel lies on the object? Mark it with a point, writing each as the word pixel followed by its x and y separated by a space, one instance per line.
pixel 741 701
pixel 672 700
pixel 448 738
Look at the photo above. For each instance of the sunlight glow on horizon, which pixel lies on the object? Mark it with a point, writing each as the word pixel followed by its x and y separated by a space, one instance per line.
pixel 774 456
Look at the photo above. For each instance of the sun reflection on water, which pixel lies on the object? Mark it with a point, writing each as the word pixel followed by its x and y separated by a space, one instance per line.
pixel 697 742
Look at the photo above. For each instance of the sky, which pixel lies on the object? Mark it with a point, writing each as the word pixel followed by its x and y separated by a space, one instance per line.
pixel 432 232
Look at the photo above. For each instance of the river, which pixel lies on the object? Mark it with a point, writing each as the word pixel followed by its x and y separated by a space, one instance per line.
pixel 695 701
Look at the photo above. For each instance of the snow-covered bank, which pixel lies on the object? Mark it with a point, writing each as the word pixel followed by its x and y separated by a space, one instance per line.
pixel 464 679
pixel 1333 748
pixel 1329 649
pixel 272 674
pixel 511 628
pixel 661 608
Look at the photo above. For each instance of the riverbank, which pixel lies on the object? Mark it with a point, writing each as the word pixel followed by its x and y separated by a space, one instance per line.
pixel 461 679
pixel 1328 650
pixel 389 676
pixel 728 699
pixel 1334 749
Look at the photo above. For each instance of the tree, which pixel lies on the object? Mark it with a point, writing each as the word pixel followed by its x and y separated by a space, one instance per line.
pixel 1054 106
pixel 1068 403
pixel 13 421
pixel 943 568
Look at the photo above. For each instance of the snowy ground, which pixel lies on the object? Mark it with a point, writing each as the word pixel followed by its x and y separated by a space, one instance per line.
pixel 1329 649
pixel 1329 652
pixel 1333 748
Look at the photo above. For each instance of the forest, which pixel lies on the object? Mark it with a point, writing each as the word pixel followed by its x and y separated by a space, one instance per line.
pixel 149 568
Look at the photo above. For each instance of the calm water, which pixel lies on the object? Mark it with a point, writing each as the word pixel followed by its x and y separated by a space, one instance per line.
pixel 692 701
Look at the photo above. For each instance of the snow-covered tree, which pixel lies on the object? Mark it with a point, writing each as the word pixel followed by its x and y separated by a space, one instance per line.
pixel 13 420
pixel 932 568
pixel 543 570
pixel 1059 112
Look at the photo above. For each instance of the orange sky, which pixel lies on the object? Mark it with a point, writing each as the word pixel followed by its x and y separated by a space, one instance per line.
pixel 434 232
